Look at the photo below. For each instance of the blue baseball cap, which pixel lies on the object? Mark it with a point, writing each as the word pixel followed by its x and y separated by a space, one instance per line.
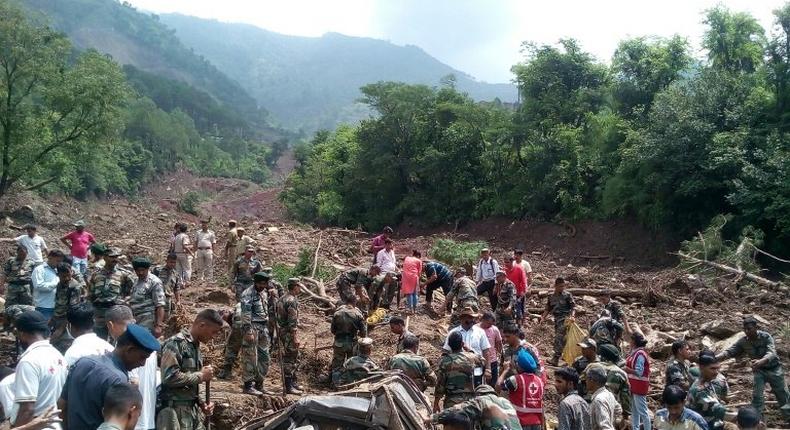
pixel 143 337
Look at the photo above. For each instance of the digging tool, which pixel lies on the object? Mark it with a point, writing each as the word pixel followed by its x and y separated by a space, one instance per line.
pixel 280 358
pixel 207 419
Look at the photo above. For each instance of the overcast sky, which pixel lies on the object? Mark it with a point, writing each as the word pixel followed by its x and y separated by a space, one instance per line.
pixel 480 37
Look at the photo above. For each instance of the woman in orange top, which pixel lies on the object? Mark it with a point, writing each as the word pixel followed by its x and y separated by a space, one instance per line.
pixel 412 267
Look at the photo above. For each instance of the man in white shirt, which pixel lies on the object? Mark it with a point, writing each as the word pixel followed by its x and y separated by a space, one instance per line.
pixel 41 371
pixel 45 281
pixel 486 276
pixel 385 259
pixel 183 251
pixel 35 244
pixel 604 408
pixel 205 240
pixel 7 379
pixel 86 342
pixel 475 340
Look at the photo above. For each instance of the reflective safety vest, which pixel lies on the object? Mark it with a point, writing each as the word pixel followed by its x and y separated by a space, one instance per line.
pixel 640 385
pixel 527 399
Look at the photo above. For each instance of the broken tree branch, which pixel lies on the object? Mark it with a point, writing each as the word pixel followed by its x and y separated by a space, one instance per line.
pixel 315 257
pixel 759 280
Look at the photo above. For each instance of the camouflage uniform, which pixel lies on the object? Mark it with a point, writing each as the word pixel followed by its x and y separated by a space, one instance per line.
pixel 615 310
pixel 455 376
pixel 678 373
pixel 347 324
pixel 181 362
pixel 561 306
pixel 243 270
pixel 287 321
pixel 355 369
pixel 107 288
pixel 580 366
pixel 147 295
pixel 233 344
pixel 763 347
pixel 506 298
pixel 400 348
pixel 414 366
pixel 66 297
pixel 606 330
pixel 707 399
pixel 351 279
pixel 17 276
pixel 275 290
pixel 381 294
pixel 171 283
pixel 478 409
pixel 616 383
pixel 462 294
pixel 255 352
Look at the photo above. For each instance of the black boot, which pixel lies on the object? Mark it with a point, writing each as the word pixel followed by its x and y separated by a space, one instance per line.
pixel 249 389
pixel 225 373
pixel 259 386
pixel 289 386
pixel 295 383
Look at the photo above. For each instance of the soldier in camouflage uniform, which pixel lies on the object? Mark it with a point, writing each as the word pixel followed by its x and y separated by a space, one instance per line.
pixel 616 378
pixel 243 269
pixel 416 367
pixel 68 293
pixel 357 281
pixel 274 291
pixel 588 357
pixel 147 298
pixel 505 310
pixel 759 346
pixel 347 324
pixel 17 272
pixel 455 373
pixel 255 343
pixel 287 309
pixel 606 329
pixel 561 305
pixel 183 372
pixel 708 393
pixel 108 287
pixel 678 370
pixel 171 283
pixel 462 294
pixel 383 289
pixel 233 343
pixel 487 409
pixel 357 367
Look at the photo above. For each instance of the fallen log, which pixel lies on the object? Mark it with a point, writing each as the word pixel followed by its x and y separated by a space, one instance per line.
pixel 317 284
pixel 759 280
pixel 627 294
pixel 315 257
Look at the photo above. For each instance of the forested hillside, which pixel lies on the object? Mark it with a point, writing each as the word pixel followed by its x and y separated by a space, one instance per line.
pixel 655 134
pixel 312 83
pixel 76 122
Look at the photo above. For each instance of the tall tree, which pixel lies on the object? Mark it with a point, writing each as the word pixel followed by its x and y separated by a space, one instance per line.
pixel 734 40
pixel 48 105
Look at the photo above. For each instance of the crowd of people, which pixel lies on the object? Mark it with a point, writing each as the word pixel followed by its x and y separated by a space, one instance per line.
pixel 89 327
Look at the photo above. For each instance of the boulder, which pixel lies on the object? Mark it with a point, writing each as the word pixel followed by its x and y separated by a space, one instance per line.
pixel 719 328
pixel 722 345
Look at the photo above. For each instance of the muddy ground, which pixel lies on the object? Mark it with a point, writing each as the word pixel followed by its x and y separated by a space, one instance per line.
pixel 625 257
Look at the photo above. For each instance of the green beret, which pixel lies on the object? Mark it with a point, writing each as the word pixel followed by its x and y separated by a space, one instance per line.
pixel 609 352
pixel 261 276
pixel 141 263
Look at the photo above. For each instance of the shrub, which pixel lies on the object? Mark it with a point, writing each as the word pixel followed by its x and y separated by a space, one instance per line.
pixel 457 253
pixel 189 203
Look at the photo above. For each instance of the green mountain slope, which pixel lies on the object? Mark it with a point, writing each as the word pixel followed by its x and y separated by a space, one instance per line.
pixel 140 40
pixel 313 82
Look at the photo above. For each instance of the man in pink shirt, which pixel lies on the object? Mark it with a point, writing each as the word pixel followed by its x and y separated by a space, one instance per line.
pixel 515 273
pixel 495 340
pixel 378 242
pixel 78 242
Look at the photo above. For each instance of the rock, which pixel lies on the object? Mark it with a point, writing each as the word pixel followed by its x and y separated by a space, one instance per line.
pixel 25 212
pixel 707 342
pixel 761 320
pixel 162 216
pixel 718 328
pixel 661 351
pixel 580 310
pixel 590 299
pixel 726 343
pixel 272 229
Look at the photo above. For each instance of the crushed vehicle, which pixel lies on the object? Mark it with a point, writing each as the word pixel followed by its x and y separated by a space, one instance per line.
pixel 387 400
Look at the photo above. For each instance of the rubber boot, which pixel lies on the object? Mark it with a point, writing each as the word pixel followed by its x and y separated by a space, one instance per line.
pixel 249 389
pixel 225 372
pixel 289 387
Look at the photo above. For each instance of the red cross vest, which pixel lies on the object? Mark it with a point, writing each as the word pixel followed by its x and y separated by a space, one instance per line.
pixel 640 385
pixel 527 399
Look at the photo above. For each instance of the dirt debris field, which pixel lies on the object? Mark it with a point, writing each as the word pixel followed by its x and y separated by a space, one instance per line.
pixel 663 301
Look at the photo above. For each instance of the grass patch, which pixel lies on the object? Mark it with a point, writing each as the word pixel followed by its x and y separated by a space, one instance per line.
pixel 457 253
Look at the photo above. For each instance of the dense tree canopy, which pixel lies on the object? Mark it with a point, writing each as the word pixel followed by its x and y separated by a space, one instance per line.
pixel 656 134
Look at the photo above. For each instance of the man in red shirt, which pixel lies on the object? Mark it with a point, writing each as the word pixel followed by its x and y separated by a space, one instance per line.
pixel 78 242
pixel 515 273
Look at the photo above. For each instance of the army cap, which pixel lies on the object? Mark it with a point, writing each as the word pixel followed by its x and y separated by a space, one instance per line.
pixel 750 319
pixel 484 389
pixel 98 249
pixel 588 343
pixel 113 252
pixel 365 341
pixel 468 311
pixel 294 281
pixel 141 263
pixel 261 276
pixel 79 223
pixel 143 337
